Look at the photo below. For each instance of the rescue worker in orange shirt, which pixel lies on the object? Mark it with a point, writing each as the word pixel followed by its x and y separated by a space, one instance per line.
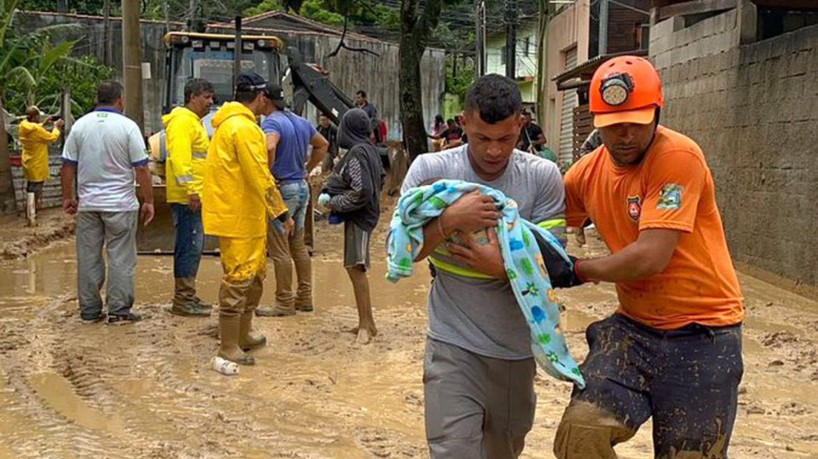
pixel 672 351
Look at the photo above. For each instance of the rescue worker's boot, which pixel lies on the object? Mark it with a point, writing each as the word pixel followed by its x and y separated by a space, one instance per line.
pixel 248 339
pixel 232 301
pixel 303 271
pixel 31 209
pixel 184 299
pixel 278 246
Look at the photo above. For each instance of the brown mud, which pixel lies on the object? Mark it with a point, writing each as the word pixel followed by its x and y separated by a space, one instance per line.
pixel 145 390
pixel 17 240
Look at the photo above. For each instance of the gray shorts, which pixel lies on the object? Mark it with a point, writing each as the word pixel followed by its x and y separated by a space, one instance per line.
pixel 476 407
pixel 34 187
pixel 356 246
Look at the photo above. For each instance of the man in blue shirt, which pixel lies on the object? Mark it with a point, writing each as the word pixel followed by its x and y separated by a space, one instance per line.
pixel 289 137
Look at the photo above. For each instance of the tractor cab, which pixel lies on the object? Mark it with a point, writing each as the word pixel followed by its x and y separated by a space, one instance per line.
pixel 211 56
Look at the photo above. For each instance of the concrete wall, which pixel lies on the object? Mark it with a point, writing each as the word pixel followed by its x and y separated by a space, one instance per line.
pixel 568 29
pixel 753 109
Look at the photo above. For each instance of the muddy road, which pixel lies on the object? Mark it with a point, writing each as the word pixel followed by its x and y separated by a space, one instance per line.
pixel 69 390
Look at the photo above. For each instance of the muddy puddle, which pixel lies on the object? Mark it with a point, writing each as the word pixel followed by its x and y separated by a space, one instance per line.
pixel 72 390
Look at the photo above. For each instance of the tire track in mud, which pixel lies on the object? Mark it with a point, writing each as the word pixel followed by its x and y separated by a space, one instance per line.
pixel 147 425
pixel 24 402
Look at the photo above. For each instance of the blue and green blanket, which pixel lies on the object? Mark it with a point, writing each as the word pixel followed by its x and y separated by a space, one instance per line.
pixel 523 261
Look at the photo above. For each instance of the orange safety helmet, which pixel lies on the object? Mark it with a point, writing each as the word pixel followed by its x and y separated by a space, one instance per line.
pixel 625 89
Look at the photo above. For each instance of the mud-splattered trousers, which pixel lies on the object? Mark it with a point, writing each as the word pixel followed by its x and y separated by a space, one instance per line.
pixel 245 266
pixel 686 379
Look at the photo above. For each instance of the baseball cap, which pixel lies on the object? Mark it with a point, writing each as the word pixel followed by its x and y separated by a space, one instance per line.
pixel 250 80
pixel 276 94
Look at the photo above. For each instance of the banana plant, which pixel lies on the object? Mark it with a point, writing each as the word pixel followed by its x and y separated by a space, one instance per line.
pixel 24 60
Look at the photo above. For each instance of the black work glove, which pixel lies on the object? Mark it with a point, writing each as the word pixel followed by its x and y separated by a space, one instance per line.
pixel 561 272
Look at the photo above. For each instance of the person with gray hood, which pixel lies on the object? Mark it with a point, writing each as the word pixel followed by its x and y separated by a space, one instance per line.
pixel 352 195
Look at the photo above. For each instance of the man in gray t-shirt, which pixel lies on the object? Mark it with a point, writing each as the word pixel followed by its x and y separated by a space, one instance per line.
pixel 105 152
pixel 478 371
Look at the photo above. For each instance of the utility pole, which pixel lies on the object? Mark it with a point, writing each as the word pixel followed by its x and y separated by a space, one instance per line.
pixel 106 34
pixel 511 38
pixel 603 27
pixel 480 24
pixel 237 51
pixel 166 13
pixel 132 61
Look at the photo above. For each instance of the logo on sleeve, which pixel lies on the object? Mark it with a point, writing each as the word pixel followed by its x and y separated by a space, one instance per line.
pixel 671 197
pixel 635 208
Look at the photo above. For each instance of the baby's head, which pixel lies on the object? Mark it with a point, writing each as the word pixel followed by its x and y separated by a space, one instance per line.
pixel 430 181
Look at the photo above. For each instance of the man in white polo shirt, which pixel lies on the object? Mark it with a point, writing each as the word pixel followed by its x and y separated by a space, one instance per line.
pixel 105 151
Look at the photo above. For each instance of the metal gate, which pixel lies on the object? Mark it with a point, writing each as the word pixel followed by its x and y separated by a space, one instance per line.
pixel 569 101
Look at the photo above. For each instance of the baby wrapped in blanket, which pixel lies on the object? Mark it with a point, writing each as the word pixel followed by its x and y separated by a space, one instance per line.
pixel 534 259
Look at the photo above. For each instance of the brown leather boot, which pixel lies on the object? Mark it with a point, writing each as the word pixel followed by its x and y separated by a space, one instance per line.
pixel 303 271
pixel 248 339
pixel 185 301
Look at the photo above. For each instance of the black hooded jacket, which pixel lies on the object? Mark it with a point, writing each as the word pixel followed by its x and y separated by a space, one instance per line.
pixel 357 180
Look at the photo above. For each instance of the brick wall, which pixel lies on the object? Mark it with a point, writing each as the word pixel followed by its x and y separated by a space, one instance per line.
pixel 754 110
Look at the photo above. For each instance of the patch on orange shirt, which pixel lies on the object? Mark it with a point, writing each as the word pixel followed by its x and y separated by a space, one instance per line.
pixel 635 208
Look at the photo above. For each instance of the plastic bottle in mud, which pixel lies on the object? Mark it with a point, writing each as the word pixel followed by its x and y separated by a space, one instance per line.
pixel 224 366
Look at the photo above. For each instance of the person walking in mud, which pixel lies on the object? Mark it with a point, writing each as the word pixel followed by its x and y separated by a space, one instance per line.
pixel 105 152
pixel 35 139
pixel 187 144
pixel 353 193
pixel 238 197
pixel 478 369
pixel 289 137
pixel 672 351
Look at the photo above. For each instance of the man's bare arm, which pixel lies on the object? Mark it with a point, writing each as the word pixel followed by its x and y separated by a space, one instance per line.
pixel 320 145
pixel 272 144
pixel 648 256
pixel 67 175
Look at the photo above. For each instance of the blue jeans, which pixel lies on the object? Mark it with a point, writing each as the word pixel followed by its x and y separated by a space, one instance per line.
pixel 187 252
pixel 296 196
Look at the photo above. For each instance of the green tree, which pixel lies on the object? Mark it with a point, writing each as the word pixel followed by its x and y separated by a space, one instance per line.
pixel 12 59
pixel 264 7
pixel 458 84
pixel 74 6
pixel 417 25
pixel 88 71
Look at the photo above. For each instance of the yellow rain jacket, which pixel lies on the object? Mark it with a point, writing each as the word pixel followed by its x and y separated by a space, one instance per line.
pixel 239 191
pixel 35 140
pixel 187 144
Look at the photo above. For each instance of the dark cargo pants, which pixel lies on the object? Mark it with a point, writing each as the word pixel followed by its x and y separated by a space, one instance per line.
pixel 686 379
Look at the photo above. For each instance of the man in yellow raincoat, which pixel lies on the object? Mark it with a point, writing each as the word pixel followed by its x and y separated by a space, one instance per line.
pixel 35 140
pixel 187 144
pixel 239 195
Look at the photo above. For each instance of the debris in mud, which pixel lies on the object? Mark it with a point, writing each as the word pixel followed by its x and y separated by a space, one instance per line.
pixel 776 363
pixel 778 339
